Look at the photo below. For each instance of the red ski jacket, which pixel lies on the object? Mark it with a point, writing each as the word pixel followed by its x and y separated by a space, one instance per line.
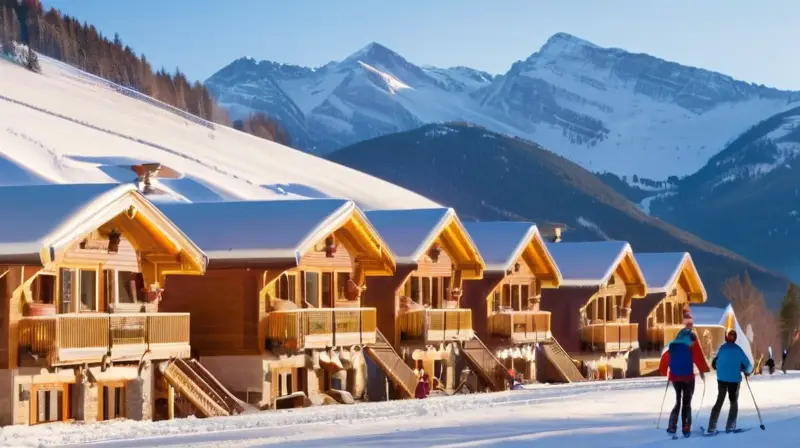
pixel 697 359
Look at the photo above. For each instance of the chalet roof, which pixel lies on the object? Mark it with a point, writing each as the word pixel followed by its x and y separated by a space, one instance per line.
pixel 713 316
pixel 410 232
pixel 264 231
pixel 47 218
pixel 501 243
pixel 591 263
pixel 663 270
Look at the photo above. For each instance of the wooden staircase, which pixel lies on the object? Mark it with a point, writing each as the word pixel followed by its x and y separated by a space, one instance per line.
pixel 194 382
pixel 561 362
pixel 382 353
pixel 483 362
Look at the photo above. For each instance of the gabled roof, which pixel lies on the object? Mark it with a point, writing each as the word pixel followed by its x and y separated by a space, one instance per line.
pixel 722 317
pixel 592 263
pixel 502 243
pixel 663 271
pixel 411 232
pixel 249 233
pixel 42 221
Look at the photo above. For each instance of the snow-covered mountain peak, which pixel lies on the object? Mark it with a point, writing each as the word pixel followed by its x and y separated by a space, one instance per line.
pixel 564 43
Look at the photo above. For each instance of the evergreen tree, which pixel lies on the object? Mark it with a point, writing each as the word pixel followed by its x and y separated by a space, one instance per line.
pixel 789 315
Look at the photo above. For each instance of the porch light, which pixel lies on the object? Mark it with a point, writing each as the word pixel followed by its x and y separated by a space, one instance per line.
pixel 113 241
pixel 434 253
pixel 330 247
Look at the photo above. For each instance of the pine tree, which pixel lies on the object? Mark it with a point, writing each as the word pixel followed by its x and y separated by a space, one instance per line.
pixel 32 60
pixel 789 315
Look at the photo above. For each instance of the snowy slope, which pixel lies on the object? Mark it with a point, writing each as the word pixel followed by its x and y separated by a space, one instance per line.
pixel 619 413
pixel 606 109
pixel 65 126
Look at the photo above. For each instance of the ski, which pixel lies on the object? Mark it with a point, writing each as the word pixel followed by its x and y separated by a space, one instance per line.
pixel 716 433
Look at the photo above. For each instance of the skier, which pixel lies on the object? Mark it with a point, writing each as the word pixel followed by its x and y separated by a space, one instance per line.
pixel 783 360
pixel 770 362
pixel 423 388
pixel 729 363
pixel 679 358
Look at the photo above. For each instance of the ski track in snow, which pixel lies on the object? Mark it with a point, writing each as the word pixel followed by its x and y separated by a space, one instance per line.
pixel 619 413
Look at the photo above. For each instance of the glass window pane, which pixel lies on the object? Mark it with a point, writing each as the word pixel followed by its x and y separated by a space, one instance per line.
pixel 415 289
pixel 327 289
pixel 312 288
pixel 67 289
pixel 426 290
pixel 88 290
pixel 342 278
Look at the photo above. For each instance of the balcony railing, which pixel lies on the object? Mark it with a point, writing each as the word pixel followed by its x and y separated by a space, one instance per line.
pixel 661 335
pixel 610 337
pixel 521 326
pixel 432 325
pixel 76 338
pixel 322 327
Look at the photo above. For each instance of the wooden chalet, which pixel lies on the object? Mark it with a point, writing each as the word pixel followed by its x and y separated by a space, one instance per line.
pixel 591 310
pixel 505 303
pixel 712 323
pixel 82 270
pixel 672 284
pixel 278 318
pixel 427 322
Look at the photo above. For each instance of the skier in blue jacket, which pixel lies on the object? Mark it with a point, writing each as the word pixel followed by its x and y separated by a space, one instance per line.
pixel 729 363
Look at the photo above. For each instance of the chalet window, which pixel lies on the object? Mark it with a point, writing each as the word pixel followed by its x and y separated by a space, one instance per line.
pixel 415 294
pixel 311 288
pixel 497 299
pixel 88 290
pixel 436 292
pixel 130 287
pixel 113 401
pixel 515 297
pixel 506 299
pixel 44 289
pixel 660 315
pixel 285 287
pixel 426 291
pixel 342 278
pixel 445 286
pixel 525 296
pixel 327 289
pixel 67 289
pixel 109 287
pixel 49 405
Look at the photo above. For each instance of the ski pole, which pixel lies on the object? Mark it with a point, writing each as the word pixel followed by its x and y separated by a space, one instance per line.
pixel 760 420
pixel 697 417
pixel 661 411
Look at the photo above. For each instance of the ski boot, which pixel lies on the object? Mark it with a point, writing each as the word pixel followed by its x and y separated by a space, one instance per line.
pixel 730 427
pixel 687 430
pixel 672 429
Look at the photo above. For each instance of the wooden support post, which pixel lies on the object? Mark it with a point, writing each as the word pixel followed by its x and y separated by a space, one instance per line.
pixel 170 402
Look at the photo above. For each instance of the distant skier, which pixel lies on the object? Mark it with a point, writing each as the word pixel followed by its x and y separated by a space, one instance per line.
pixel 770 362
pixel 729 363
pixel 679 358
pixel 423 388
pixel 783 360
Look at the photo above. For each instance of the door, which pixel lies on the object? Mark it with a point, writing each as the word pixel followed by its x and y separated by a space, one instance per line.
pixel 49 403
pixel 111 400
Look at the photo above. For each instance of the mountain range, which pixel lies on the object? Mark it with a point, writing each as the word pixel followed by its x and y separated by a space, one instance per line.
pixel 491 176
pixel 606 109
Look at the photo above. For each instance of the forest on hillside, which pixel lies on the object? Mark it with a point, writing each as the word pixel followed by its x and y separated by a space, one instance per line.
pixel 81 45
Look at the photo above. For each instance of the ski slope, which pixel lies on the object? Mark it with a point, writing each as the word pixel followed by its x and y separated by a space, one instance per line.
pixel 620 413
pixel 66 126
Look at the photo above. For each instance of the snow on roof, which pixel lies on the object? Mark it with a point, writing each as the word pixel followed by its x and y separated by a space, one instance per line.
pixel 501 242
pixel 410 232
pixel 39 215
pixel 257 230
pixel 661 270
pixel 713 316
pixel 588 263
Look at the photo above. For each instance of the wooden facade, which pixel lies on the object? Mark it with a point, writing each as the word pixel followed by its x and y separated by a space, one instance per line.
pixel 284 317
pixel 591 313
pixel 89 306
pixel 672 284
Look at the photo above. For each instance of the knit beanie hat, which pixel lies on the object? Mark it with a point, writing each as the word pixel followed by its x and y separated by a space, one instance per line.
pixel 688 320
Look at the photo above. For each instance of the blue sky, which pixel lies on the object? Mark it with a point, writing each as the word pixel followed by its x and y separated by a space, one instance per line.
pixel 751 40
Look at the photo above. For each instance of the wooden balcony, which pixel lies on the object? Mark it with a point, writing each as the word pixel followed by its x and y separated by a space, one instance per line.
pixel 611 336
pixel 434 325
pixel 521 326
pixel 661 335
pixel 321 327
pixel 66 339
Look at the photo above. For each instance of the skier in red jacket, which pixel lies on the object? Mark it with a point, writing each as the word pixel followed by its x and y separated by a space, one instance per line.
pixel 679 359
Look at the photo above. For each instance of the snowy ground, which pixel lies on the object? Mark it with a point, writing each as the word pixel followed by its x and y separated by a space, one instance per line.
pixel 608 414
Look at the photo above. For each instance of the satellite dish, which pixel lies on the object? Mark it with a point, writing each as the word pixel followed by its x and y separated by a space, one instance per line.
pixel 749 333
